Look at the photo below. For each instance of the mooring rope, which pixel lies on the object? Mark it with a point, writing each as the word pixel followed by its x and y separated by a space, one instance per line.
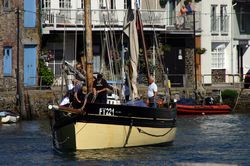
pixel 237 99
pixel 62 142
pixel 153 135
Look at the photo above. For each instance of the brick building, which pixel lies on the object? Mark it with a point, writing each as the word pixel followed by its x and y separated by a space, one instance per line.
pixel 24 59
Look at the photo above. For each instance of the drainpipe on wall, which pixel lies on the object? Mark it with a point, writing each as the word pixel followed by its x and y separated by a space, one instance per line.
pixel 19 90
pixel 232 54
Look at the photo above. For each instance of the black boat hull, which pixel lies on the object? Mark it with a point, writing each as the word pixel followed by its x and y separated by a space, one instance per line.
pixel 113 126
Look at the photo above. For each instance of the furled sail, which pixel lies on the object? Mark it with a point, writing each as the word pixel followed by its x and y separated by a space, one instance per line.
pixel 131 31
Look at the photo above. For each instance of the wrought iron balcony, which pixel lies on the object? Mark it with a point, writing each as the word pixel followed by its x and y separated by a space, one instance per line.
pixel 56 19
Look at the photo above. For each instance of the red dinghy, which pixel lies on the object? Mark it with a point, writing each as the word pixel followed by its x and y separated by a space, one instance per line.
pixel 203 109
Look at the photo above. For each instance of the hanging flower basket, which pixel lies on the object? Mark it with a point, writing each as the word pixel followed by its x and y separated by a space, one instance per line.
pixel 200 50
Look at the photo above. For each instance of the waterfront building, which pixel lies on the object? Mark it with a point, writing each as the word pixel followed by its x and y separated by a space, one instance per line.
pixel 241 36
pixel 225 36
pixel 63 33
pixel 221 28
pixel 19 53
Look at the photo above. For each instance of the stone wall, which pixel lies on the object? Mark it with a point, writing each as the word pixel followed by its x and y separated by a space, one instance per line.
pixel 218 76
pixel 37 101
pixel 7 84
pixel 8 38
pixel 189 67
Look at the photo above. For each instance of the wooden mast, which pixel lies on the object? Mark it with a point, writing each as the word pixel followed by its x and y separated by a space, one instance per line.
pixel 89 48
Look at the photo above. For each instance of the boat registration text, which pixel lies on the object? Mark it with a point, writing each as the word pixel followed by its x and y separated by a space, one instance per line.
pixel 107 111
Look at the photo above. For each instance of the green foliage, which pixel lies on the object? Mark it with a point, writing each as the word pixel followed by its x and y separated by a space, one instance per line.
pixel 201 50
pixel 165 48
pixel 45 74
pixel 229 96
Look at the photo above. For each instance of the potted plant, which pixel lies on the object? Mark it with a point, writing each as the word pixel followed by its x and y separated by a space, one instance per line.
pixel 200 50
pixel 165 48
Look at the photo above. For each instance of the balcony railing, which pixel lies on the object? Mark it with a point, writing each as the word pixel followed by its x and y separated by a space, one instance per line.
pixel 100 17
pixel 159 19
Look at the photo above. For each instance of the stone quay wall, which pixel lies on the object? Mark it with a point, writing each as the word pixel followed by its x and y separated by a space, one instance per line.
pixel 37 101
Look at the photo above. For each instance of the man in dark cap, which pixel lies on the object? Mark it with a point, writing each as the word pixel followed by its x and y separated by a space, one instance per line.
pixel 100 87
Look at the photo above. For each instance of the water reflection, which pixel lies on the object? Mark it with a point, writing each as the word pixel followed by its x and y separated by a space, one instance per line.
pixel 206 139
pixel 115 154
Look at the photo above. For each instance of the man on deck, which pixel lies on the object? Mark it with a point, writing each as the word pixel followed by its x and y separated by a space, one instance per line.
pixel 152 92
pixel 100 87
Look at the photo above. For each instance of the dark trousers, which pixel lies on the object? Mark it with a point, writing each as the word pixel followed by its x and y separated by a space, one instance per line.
pixel 152 102
pixel 101 99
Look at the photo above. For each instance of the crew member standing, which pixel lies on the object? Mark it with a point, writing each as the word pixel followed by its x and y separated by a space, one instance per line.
pixel 152 92
pixel 100 87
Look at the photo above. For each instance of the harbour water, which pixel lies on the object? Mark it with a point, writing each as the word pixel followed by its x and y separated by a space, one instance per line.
pixel 221 139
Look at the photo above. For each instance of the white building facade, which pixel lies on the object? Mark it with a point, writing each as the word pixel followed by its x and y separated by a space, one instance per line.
pixel 65 20
pixel 63 32
pixel 220 36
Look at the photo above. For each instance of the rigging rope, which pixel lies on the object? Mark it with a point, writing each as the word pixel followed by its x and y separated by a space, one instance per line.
pixel 237 100
pixel 155 38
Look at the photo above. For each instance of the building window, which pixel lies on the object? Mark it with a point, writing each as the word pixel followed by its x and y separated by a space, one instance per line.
pixel 29 13
pixel 223 18
pixel 214 19
pixel 243 16
pixel 7 62
pixel 113 4
pixel 125 4
pixel 65 13
pixel 138 4
pixel 218 55
pixel 101 4
pixel 82 4
pixel 128 4
pixel 64 4
pixel 46 4
pixel 6 4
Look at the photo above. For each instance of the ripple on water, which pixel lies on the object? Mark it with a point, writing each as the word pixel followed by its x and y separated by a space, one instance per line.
pixel 205 139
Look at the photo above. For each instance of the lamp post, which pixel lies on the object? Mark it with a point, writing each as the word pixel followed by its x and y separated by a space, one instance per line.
pixel 17 59
pixel 194 45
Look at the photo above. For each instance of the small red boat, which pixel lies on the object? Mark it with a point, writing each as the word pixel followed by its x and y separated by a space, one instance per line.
pixel 203 109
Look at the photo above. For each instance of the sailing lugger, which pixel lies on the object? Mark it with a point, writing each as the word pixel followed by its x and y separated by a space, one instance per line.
pixel 102 125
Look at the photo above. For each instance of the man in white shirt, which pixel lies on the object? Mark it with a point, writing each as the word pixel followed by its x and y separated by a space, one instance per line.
pixel 152 92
